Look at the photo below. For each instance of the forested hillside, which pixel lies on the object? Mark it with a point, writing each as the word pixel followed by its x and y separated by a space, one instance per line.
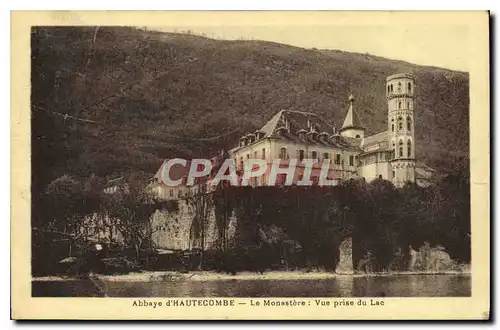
pixel 135 97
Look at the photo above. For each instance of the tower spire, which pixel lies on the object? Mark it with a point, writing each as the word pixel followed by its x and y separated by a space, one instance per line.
pixel 352 126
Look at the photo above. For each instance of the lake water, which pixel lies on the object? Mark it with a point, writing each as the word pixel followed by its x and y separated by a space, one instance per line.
pixel 341 286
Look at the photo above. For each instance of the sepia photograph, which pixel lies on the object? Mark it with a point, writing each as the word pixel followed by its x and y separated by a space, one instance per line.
pixel 281 162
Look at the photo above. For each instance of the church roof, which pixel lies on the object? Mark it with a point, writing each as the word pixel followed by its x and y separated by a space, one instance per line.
pixel 352 119
pixel 378 138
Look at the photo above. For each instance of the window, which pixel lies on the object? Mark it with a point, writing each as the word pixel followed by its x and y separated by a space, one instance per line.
pixel 283 154
pixel 171 192
pixel 326 155
pixel 393 127
pixel 399 105
pixel 400 123
pixel 351 160
pixel 241 163
pixel 280 179
pixel 337 159
pixel 409 87
pixel 408 105
pixel 380 176
pixel 315 180
pixel 263 153
pixel 357 136
pixel 392 89
pixel 314 155
pixel 409 148
pixel 393 174
pixel 388 89
pixel 408 123
pixel 179 194
pixel 399 87
pixel 400 151
pixel 248 156
pixel 301 154
pixel 255 154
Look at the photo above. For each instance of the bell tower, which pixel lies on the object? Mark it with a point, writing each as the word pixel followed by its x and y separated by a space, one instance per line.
pixel 400 91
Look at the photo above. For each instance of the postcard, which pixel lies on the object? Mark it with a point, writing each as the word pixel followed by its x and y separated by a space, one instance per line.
pixel 250 165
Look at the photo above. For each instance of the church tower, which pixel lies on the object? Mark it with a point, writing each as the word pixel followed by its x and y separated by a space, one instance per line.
pixel 352 126
pixel 400 90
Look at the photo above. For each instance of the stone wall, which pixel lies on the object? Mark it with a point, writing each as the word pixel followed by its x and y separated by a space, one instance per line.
pixel 171 230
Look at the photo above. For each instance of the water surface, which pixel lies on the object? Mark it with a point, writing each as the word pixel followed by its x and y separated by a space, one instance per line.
pixel 341 286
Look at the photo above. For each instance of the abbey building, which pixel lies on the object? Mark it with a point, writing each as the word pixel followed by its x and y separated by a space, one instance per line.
pixel 388 155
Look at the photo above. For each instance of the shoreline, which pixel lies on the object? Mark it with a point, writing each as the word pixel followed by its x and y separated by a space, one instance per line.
pixel 201 276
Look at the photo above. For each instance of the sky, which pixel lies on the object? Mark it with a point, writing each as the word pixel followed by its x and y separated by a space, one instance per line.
pixel 443 45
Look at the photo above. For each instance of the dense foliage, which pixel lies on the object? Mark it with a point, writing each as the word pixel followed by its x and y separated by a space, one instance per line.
pixel 381 219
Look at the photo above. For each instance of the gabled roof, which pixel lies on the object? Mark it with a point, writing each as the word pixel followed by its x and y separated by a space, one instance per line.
pixel 295 120
pixel 269 128
pixel 289 124
pixel 352 119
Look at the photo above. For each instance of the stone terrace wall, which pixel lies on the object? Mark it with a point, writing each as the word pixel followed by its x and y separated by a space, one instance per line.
pixel 172 229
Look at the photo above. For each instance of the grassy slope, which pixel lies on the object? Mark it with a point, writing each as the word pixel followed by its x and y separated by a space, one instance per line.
pixel 153 93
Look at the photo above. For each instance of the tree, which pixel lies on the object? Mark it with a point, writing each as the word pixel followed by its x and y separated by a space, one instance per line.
pixel 132 208
pixel 63 199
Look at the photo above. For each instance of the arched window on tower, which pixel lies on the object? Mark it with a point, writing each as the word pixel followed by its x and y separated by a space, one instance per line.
pixel 399 105
pixel 399 87
pixel 392 124
pixel 409 87
pixel 400 123
pixel 408 123
pixel 408 105
pixel 392 89
pixel 400 148
pixel 393 150
pixel 409 148
pixel 388 88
